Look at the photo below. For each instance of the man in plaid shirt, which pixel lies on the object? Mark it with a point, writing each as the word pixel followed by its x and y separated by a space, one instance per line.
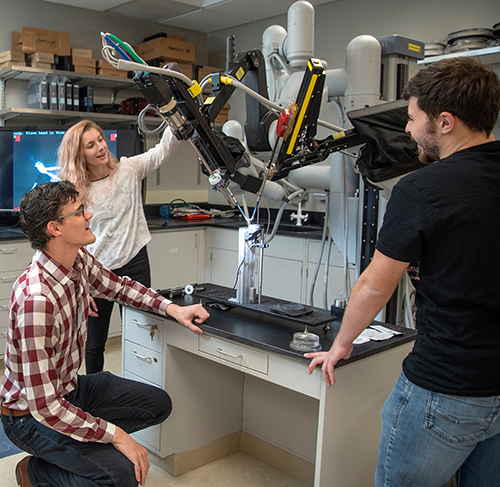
pixel 76 427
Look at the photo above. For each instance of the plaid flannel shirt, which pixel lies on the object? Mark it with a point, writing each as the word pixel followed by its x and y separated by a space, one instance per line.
pixel 46 338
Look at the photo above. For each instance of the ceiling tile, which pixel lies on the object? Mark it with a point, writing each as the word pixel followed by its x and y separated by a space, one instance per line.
pixel 99 5
pixel 152 9
pixel 205 20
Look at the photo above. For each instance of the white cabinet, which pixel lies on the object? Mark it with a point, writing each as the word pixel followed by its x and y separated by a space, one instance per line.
pixel 15 255
pixel 176 257
pixel 220 387
pixel 289 266
pixel 283 269
pixel 335 274
pixel 142 360
pixel 283 263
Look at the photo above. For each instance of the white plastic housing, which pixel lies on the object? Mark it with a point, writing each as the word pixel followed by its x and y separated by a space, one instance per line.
pixel 299 45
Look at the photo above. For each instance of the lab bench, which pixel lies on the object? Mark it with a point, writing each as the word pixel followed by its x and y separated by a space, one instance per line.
pixel 239 386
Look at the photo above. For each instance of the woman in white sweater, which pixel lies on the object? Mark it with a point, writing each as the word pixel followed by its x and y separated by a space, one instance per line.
pixel 111 190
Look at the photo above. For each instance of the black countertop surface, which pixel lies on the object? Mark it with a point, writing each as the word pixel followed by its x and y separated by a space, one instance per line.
pixel 157 224
pixel 274 333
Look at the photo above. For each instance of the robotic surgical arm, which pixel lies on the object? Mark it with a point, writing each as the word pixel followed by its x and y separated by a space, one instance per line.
pixel 299 85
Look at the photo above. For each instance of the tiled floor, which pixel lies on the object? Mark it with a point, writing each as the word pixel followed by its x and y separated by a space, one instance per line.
pixel 238 469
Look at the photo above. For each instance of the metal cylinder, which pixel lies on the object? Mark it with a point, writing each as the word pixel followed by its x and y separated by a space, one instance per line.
pixel 230 53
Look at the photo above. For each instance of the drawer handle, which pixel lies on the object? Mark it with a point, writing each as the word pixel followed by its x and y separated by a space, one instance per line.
pixel 147 326
pixel 222 352
pixel 5 307
pixel 11 250
pixel 4 334
pixel 9 279
pixel 149 360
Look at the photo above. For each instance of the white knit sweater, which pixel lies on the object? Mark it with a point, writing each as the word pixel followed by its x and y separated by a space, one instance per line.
pixel 119 223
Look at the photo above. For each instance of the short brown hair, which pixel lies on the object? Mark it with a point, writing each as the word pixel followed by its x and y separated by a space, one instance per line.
pixel 40 206
pixel 462 86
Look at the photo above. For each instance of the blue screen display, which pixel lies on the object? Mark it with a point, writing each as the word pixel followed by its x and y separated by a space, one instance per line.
pixel 29 158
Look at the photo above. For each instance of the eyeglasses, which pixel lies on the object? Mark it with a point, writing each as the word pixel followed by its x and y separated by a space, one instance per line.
pixel 81 209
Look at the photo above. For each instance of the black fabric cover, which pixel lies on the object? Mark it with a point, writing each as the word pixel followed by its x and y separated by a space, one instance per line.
pixel 389 151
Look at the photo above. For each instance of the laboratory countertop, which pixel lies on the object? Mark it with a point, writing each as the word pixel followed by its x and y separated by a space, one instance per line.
pixel 274 333
pixel 157 224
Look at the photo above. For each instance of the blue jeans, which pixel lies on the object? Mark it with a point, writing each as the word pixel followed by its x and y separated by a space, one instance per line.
pixel 98 327
pixel 427 437
pixel 61 461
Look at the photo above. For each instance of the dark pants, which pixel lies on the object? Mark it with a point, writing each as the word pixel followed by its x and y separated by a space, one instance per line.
pixel 61 461
pixel 98 327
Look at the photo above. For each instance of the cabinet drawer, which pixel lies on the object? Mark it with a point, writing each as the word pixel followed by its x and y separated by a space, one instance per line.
pixel 234 353
pixel 140 326
pixel 7 280
pixel 15 255
pixel 3 340
pixel 4 310
pixel 143 362
pixel 152 435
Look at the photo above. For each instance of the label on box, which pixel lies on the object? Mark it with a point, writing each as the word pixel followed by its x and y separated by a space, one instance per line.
pixel 84 61
pixel 162 47
pixel 43 40
pixel 11 56
pixel 79 52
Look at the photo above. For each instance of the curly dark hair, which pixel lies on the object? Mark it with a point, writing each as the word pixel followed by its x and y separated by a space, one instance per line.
pixel 462 86
pixel 42 205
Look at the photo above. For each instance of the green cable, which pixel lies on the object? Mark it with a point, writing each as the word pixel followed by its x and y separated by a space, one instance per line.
pixel 127 49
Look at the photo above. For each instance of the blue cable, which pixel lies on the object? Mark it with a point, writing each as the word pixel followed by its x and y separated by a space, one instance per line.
pixel 118 49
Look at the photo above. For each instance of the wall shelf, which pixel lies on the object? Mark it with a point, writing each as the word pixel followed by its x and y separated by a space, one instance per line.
pixel 25 73
pixel 490 55
pixel 32 116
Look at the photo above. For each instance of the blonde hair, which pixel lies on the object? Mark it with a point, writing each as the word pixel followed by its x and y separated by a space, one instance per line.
pixel 71 160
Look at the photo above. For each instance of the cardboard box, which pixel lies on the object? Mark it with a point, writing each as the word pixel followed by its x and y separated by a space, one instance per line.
pixel 84 69
pixel 11 56
pixel 206 70
pixel 80 52
pixel 16 41
pixel 41 57
pixel 34 39
pixel 102 63
pixel 118 73
pixel 164 34
pixel 84 61
pixel 186 68
pixel 8 64
pixel 223 115
pixel 36 64
pixel 168 48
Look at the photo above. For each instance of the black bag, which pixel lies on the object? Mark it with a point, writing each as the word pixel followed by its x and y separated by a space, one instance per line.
pixel 389 151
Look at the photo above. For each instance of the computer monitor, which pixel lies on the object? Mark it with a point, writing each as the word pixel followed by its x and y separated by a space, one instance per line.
pixel 28 157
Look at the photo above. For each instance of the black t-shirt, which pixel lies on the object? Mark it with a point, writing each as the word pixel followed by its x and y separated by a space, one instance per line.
pixel 446 219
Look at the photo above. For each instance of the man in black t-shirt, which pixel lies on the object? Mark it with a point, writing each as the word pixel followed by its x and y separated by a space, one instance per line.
pixel 442 416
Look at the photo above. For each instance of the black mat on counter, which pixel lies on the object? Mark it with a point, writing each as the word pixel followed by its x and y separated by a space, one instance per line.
pixel 298 313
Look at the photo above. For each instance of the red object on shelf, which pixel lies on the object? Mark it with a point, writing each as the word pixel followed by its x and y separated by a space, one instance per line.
pixel 193 217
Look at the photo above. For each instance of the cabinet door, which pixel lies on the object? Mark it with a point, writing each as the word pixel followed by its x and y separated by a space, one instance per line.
pixel 335 284
pixel 282 279
pixel 15 254
pixel 335 275
pixel 224 267
pixel 4 316
pixel 176 258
